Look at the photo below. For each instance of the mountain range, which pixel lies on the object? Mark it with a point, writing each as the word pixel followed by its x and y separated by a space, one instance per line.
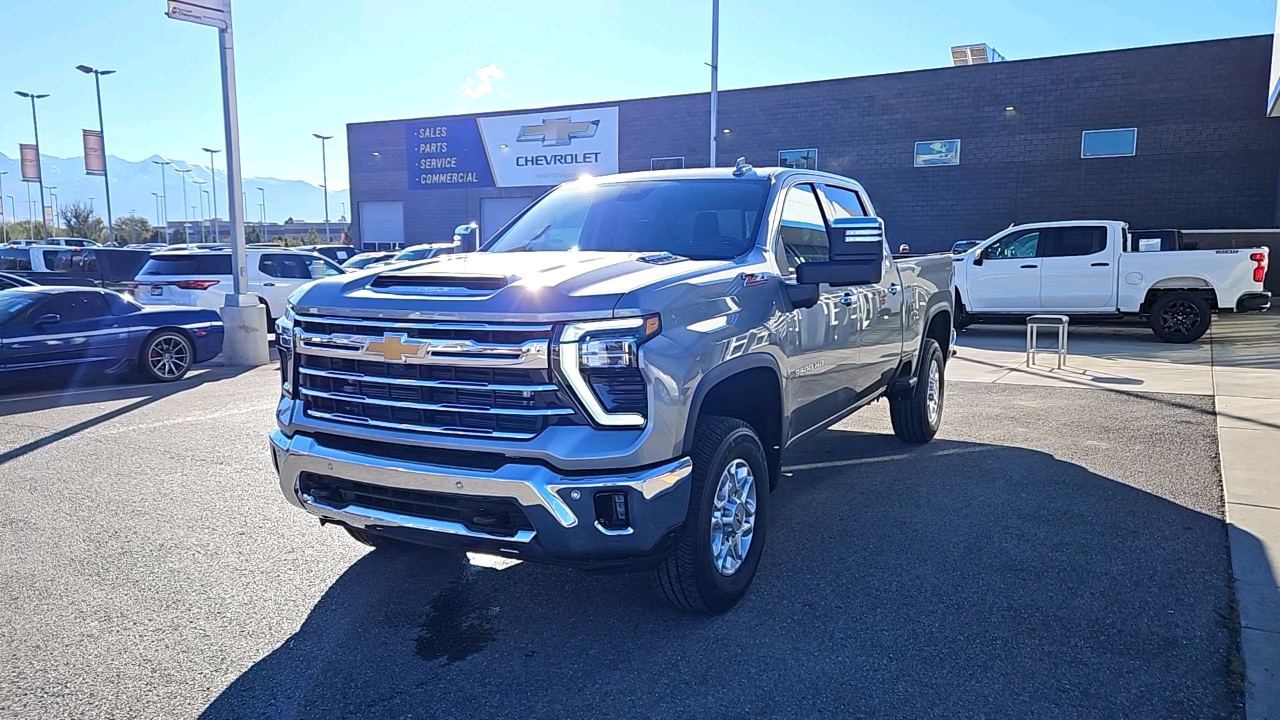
pixel 132 185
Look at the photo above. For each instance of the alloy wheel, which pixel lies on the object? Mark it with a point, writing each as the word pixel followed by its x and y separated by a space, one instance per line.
pixel 169 356
pixel 733 516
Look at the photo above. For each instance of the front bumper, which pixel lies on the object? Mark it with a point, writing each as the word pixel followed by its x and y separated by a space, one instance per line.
pixel 561 509
pixel 1254 302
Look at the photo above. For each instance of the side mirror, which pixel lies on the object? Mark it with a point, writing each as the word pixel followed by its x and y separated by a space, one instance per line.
pixel 978 256
pixel 857 250
pixel 49 319
pixel 463 231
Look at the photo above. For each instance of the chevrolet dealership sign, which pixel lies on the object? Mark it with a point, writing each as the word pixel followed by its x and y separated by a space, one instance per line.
pixel 545 148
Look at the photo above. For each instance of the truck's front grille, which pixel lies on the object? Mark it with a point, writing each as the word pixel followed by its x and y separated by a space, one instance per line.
pixel 430 377
pixel 494 516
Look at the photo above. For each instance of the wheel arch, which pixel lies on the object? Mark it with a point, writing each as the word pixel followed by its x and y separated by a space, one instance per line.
pixel 750 389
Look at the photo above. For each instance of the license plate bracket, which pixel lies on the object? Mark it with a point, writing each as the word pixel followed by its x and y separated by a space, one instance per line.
pixel 157 289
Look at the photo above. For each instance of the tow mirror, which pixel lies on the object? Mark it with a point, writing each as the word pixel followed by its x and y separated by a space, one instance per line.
pixel 48 319
pixel 857 251
pixel 978 256
pixel 463 231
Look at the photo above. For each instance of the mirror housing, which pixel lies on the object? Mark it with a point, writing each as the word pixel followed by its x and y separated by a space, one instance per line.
pixel 801 296
pixel 857 250
pixel 463 230
pixel 47 319
pixel 978 256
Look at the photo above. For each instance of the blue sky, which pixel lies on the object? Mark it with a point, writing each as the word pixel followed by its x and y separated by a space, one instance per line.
pixel 314 65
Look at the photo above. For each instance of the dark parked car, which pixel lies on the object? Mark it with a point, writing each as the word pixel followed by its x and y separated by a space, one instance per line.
pixel 12 281
pixel 112 268
pixel 960 247
pixel 81 331
pixel 367 258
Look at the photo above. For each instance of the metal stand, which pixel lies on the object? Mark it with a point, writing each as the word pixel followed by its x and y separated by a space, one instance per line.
pixel 1034 323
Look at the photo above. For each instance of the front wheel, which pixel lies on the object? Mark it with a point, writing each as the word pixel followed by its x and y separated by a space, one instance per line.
pixel 166 356
pixel 1180 317
pixel 917 414
pixel 717 550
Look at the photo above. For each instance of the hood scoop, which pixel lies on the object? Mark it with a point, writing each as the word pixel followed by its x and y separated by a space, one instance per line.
pixel 660 258
pixel 448 285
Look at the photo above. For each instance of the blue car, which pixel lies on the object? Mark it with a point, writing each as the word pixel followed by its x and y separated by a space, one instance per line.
pixel 79 331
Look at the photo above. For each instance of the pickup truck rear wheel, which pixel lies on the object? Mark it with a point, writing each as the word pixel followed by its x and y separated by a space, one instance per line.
pixel 917 413
pixel 1180 317
pixel 717 550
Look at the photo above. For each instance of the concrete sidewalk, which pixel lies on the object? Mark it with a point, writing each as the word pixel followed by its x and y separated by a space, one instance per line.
pixel 1238 363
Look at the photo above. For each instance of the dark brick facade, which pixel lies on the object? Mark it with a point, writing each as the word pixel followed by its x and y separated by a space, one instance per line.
pixel 1207 157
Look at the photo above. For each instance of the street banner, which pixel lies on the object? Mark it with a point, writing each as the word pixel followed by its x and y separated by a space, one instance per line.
pixel 202 12
pixel 48 215
pixel 29 158
pixel 95 160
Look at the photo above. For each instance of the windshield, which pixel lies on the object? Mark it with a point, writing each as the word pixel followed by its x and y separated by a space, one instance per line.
pixel 416 253
pixel 12 303
pixel 697 219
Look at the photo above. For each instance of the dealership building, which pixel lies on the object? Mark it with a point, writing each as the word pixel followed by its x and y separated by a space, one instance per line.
pixel 1171 136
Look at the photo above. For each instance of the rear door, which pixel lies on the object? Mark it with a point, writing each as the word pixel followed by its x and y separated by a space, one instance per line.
pixel 1008 278
pixel 1077 271
pixel 823 349
pixel 282 273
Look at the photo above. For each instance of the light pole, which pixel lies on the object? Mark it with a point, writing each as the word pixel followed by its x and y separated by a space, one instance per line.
pixel 324 167
pixel 35 126
pixel 11 201
pixel 213 182
pixel 164 196
pixel 156 195
pixel 31 215
pixel 4 225
pixel 210 204
pixel 715 75
pixel 200 192
pixel 97 85
pixel 262 221
pixel 53 202
pixel 184 172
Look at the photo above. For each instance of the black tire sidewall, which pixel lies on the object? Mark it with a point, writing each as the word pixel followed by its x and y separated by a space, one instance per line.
pixel 932 353
pixel 721 591
pixel 145 364
pixel 1157 312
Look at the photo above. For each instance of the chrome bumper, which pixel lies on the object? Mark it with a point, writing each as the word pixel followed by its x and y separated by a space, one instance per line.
pixel 528 485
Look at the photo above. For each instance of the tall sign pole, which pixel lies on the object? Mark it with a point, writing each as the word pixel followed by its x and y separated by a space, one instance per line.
pixel 715 75
pixel 243 315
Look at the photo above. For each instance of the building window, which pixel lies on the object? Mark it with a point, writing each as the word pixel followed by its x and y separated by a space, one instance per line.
pixel 1109 143
pixel 937 152
pixel 666 163
pixel 798 159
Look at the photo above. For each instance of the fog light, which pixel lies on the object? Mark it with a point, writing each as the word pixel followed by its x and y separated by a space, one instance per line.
pixel 611 510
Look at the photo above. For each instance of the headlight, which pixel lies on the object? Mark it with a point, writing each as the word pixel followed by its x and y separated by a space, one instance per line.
pixel 600 360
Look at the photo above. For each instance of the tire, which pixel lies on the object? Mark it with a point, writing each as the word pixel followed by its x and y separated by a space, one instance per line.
pixel 1180 317
pixel 697 574
pixel 917 414
pixel 962 317
pixel 166 356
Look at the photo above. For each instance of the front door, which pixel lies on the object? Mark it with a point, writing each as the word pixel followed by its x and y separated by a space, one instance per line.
pixel 823 349
pixel 1008 280
pixel 80 334
pixel 281 273
pixel 1076 271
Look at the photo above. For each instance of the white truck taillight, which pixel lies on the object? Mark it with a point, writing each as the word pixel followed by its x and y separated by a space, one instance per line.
pixel 1260 269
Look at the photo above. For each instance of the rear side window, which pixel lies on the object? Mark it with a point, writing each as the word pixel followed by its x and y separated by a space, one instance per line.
pixel 1075 241
pixel 211 264
pixel 15 259
pixel 295 267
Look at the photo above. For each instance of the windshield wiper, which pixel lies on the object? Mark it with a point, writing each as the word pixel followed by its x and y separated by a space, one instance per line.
pixel 525 246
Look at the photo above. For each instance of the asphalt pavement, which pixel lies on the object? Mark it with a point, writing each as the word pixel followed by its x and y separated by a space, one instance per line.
pixel 1056 553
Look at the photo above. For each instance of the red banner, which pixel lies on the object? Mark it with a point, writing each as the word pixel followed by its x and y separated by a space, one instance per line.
pixel 29 157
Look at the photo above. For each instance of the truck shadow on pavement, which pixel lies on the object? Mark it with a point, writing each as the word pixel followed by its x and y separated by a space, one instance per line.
pixel 957 579
pixel 47 393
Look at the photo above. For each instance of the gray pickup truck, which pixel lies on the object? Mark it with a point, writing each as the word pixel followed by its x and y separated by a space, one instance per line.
pixel 611 381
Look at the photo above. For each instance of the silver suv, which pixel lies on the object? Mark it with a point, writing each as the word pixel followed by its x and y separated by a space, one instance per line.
pixel 612 380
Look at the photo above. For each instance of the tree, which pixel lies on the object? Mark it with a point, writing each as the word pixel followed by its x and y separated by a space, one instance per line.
pixel 312 237
pixel 80 221
pixel 132 229
pixel 251 234
pixel 25 229
pixel 178 236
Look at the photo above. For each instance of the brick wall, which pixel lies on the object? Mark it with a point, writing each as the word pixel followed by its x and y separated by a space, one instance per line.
pixel 1207 156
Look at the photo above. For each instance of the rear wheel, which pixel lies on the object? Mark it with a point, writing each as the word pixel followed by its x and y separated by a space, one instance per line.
pixel 962 317
pixel 917 413
pixel 1180 317
pixel 166 356
pixel 717 550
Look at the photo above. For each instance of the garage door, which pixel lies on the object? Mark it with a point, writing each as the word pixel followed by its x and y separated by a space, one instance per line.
pixel 381 225
pixel 496 212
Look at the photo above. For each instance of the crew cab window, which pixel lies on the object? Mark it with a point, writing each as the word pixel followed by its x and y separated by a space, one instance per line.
pixel 15 259
pixel 842 203
pixel 1075 241
pixel 293 267
pixel 802 235
pixel 1017 245
pixel 71 261
pixel 73 306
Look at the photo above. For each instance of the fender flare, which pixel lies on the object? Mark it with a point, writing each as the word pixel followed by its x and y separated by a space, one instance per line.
pixel 723 371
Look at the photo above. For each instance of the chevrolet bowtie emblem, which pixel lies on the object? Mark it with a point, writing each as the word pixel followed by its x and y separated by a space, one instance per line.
pixel 557 131
pixel 396 347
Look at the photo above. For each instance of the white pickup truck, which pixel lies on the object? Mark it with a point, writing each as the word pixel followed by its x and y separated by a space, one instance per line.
pixel 1093 268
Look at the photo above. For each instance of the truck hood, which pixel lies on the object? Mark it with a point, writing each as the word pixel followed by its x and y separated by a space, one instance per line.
pixel 520 286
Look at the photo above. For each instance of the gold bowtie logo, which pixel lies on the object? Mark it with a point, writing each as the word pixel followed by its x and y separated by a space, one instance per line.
pixel 396 347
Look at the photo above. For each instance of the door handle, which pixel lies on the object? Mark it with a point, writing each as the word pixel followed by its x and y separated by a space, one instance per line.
pixel 1100 265
pixel 894 288
pixel 1030 266
pixel 847 299
pixel 268 284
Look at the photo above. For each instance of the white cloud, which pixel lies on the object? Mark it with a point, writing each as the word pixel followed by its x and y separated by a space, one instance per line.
pixel 482 83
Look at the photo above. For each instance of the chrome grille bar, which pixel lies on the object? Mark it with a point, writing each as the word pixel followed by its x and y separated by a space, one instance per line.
pixel 351 397
pixel 412 325
pixel 474 432
pixel 531 354
pixel 446 384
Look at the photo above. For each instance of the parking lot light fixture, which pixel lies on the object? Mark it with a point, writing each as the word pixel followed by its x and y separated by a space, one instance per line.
pixel 97 85
pixel 35 126
pixel 324 168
